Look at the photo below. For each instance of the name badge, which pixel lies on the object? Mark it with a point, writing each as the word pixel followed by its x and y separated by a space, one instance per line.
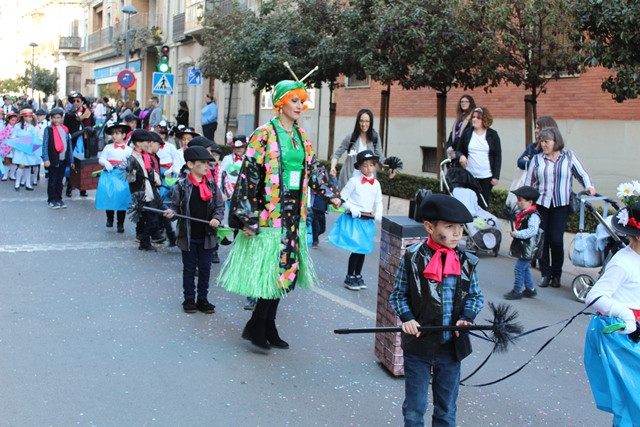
pixel 294 180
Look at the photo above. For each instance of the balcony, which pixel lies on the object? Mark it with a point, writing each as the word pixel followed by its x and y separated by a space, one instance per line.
pixel 193 17
pixel 98 40
pixel 70 44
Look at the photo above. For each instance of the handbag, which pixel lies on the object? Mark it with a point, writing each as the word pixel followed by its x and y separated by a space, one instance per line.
pixel 584 251
pixel 574 203
pixel 518 181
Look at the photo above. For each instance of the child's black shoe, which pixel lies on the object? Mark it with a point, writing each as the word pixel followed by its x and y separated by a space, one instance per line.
pixel 189 306
pixel 351 283
pixel 513 294
pixel 529 293
pixel 205 306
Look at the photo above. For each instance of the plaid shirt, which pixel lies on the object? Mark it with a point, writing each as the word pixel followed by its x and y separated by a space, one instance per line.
pixel 399 298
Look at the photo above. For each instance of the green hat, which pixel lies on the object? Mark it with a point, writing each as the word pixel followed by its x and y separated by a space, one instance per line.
pixel 283 87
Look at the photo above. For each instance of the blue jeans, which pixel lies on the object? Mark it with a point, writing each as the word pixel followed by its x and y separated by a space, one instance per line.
pixel 196 256
pixel 446 379
pixel 554 221
pixel 523 275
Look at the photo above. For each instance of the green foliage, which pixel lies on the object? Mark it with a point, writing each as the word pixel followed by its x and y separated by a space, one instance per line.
pixel 536 41
pixel 612 29
pixel 44 80
pixel 12 85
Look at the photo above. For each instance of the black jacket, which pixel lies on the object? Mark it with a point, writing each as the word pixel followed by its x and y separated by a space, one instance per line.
pixel 495 151
pixel 425 296
pixel 49 151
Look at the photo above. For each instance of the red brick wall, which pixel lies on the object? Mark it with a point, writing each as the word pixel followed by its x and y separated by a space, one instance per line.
pixel 566 98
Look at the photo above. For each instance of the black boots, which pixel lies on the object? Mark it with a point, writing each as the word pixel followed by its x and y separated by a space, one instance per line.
pixel 261 328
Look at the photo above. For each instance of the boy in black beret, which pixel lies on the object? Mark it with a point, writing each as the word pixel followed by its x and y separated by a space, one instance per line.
pixel 436 285
pixel 197 196
pixel 527 238
pixel 144 180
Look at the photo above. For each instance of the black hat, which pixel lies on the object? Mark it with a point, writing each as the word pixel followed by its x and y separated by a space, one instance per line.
pixel 141 135
pixel 186 130
pixel 239 141
pixel 445 208
pixel 156 138
pixel 192 154
pixel 200 141
pixel 365 155
pixel 527 193
pixel 41 112
pixel 216 149
pixel 129 117
pixel 109 129
pixel 630 215
pixel 58 111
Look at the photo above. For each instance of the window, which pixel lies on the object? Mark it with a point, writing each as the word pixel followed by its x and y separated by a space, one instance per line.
pixel 354 81
pixel 429 159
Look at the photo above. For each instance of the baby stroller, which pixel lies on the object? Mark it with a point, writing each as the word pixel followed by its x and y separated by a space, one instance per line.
pixel 483 234
pixel 595 249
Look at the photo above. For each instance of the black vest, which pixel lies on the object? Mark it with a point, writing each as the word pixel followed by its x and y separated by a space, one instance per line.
pixel 527 248
pixel 425 297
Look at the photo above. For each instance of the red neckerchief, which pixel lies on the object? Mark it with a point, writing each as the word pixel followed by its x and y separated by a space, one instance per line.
pixel 369 180
pixel 434 270
pixel 215 173
pixel 237 158
pixel 57 137
pixel 146 159
pixel 524 213
pixel 209 175
pixel 205 193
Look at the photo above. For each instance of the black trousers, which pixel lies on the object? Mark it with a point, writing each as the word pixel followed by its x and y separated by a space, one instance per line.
pixel 209 130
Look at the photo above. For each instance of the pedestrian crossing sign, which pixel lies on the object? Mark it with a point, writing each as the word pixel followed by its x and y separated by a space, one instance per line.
pixel 163 84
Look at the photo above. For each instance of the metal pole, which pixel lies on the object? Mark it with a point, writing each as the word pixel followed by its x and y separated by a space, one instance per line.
pixel 126 57
pixel 33 55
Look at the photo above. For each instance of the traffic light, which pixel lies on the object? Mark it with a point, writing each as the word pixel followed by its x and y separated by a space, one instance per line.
pixel 163 60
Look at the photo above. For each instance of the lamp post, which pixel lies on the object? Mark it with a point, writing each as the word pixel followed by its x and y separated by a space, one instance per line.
pixel 128 10
pixel 33 54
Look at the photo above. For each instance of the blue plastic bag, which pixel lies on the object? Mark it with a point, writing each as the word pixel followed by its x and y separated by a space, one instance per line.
pixel 113 191
pixel 353 234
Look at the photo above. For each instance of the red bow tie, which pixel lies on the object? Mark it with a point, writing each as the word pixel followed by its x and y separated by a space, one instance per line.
pixel 369 180
pixel 237 158
pixel 120 146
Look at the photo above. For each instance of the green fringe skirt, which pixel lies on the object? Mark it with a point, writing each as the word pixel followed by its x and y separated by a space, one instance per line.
pixel 253 265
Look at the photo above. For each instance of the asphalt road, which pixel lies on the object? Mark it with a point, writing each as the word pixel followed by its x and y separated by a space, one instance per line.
pixel 92 333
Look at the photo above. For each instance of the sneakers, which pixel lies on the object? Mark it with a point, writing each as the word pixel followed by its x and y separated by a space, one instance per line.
pixel 61 205
pixel 529 293
pixel 215 259
pixel 205 306
pixel 53 205
pixel 189 306
pixel 250 304
pixel 351 283
pixel 314 245
pixel 513 294
pixel 83 193
pixel 360 281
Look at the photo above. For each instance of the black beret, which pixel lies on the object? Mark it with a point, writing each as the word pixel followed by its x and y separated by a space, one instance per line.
pixel 57 111
pixel 192 154
pixel 200 141
pixel 129 117
pixel 156 138
pixel 141 135
pixel 365 155
pixel 445 208
pixel 527 193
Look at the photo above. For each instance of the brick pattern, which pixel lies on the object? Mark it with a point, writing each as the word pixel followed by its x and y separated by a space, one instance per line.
pixel 387 345
pixel 82 177
pixel 576 98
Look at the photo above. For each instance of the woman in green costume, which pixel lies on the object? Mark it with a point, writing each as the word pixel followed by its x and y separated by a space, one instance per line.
pixel 269 204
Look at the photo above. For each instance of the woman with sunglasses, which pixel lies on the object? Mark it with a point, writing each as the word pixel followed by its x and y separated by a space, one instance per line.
pixel 479 152
pixel 362 138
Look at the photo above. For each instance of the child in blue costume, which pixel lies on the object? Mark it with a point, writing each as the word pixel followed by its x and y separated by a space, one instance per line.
pixel 354 231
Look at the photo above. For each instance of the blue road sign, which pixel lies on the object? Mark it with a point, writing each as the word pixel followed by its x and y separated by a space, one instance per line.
pixel 163 84
pixel 194 77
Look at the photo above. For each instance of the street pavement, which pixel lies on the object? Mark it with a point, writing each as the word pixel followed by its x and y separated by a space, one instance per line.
pixel 92 333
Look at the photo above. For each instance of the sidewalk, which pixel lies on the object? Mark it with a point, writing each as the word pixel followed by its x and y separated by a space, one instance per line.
pixel 400 207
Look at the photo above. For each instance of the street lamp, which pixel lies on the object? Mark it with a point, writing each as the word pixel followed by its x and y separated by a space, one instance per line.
pixel 128 10
pixel 33 54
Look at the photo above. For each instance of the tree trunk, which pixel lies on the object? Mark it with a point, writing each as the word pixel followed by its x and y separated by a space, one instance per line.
pixel 441 129
pixel 226 119
pixel 529 120
pixel 384 118
pixel 256 109
pixel 332 123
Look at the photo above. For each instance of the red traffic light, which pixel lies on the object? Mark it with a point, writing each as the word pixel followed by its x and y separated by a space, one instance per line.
pixel 164 50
